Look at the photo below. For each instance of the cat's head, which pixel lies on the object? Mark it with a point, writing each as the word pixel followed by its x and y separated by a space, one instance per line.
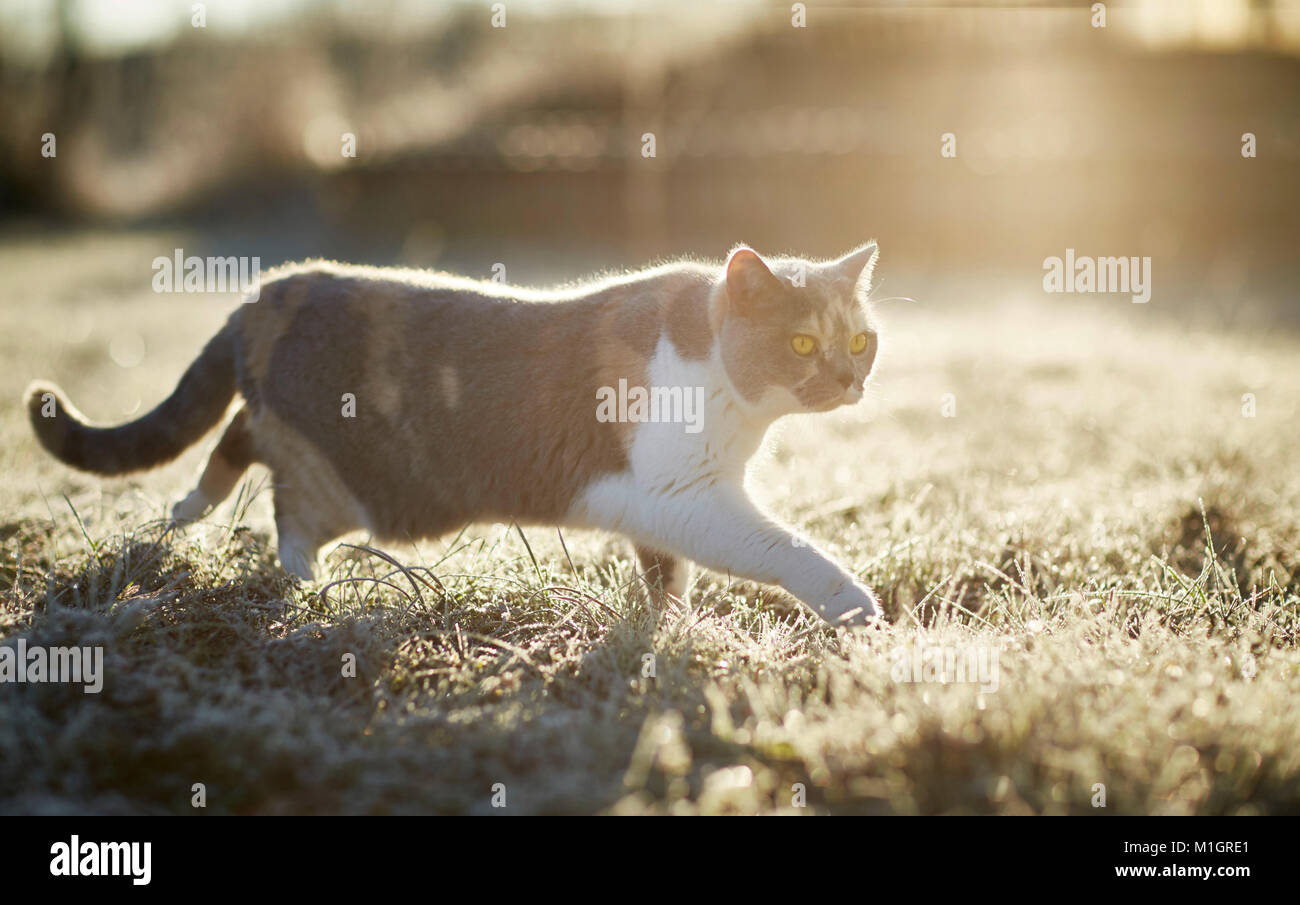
pixel 797 336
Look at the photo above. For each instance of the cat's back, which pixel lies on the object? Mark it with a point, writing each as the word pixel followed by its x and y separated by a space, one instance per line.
pixel 398 373
pixel 332 295
pixel 320 309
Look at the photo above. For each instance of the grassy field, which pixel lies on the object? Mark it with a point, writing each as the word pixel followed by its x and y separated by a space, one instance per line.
pixel 1098 513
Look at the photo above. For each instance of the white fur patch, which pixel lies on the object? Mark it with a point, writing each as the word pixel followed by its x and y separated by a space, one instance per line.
pixel 684 493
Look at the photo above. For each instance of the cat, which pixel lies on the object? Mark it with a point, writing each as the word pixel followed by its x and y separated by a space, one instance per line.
pixel 411 403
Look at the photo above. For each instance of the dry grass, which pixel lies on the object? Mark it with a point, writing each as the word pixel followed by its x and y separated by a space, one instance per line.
pixel 1098 512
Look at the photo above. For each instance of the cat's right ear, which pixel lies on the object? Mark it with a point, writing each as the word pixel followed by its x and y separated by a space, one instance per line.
pixel 751 286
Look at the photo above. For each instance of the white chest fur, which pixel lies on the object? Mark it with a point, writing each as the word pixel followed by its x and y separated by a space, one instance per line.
pixel 683 493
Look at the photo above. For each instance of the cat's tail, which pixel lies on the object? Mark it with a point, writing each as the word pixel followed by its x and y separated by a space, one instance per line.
pixel 195 406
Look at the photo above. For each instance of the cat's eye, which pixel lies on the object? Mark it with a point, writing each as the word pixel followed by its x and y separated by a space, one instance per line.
pixel 858 344
pixel 803 344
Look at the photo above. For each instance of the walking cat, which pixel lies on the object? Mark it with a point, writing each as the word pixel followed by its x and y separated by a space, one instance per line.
pixel 478 401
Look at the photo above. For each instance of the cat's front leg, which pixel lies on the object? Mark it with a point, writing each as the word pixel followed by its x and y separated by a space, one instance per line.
pixel 721 529
pixel 670 574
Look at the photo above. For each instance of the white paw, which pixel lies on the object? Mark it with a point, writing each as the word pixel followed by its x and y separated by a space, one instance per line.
pixel 852 604
pixel 190 509
pixel 298 562
pixel 680 584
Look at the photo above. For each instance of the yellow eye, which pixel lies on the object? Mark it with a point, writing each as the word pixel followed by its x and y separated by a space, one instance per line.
pixel 858 344
pixel 803 344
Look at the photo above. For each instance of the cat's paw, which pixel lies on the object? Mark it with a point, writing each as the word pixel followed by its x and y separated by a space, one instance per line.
pixel 190 509
pixel 851 604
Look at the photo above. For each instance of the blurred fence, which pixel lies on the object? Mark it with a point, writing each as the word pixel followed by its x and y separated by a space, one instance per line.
pixel 1111 141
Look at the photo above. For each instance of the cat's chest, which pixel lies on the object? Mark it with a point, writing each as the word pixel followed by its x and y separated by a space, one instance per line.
pixel 705 439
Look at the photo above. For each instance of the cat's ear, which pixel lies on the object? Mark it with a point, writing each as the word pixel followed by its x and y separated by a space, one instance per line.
pixel 857 266
pixel 751 286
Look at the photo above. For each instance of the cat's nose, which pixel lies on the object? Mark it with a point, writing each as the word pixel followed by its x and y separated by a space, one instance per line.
pixel 844 378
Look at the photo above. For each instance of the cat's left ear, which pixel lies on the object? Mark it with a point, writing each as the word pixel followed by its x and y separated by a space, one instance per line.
pixel 857 266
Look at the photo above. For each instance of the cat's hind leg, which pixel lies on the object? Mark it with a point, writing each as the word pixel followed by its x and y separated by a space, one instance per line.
pixel 299 533
pixel 228 462
pixel 312 507
pixel 297 548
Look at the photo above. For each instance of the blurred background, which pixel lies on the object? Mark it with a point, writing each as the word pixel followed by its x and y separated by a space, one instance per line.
pixel 524 144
